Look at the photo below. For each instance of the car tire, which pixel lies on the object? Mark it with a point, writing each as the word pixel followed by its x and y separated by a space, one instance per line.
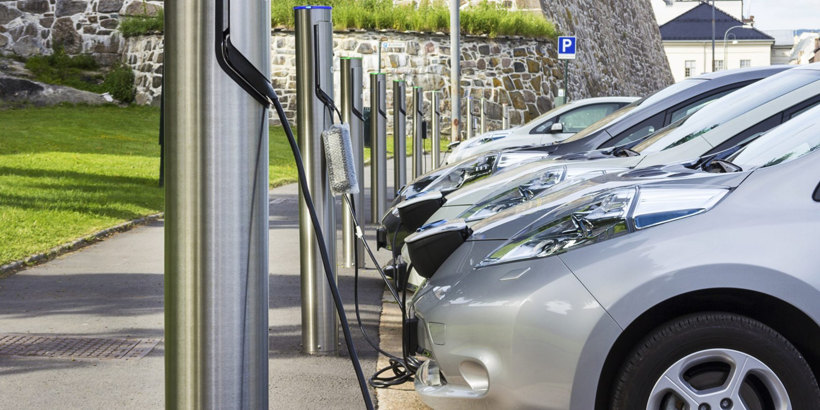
pixel 698 351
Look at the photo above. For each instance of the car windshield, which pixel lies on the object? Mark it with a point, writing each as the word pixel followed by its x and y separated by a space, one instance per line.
pixel 730 107
pixel 792 140
pixel 609 119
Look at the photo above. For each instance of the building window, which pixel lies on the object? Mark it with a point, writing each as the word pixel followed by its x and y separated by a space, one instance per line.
pixel 745 63
pixel 718 65
pixel 689 68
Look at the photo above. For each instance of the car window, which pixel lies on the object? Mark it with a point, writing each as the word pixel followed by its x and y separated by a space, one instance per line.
pixel 785 143
pixel 697 105
pixel 638 131
pixel 730 107
pixel 608 120
pixel 580 118
pixel 543 128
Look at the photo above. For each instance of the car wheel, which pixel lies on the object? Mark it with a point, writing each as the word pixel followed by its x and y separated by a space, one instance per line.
pixel 715 361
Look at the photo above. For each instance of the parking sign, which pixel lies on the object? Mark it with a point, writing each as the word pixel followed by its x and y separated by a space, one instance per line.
pixel 566 48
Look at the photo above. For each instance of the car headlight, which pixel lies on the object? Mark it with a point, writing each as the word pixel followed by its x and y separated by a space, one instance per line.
pixel 516 195
pixel 464 173
pixel 601 216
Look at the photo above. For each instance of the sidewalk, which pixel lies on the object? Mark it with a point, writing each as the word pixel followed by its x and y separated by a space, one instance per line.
pixel 114 290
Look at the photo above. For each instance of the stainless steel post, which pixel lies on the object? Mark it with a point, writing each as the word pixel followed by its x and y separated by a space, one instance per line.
pixel 483 116
pixel 352 108
pixel 455 70
pixel 436 120
pixel 418 142
pixel 399 135
pixel 378 146
pixel 470 118
pixel 505 119
pixel 314 51
pixel 216 213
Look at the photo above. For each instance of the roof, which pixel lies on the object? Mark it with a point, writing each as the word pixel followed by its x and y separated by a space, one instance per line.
pixel 696 25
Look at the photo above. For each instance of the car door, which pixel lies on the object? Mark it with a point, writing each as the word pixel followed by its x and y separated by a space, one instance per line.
pixel 572 122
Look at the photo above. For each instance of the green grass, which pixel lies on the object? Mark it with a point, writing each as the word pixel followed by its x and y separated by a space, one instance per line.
pixel 69 171
pixel 485 18
pixel 80 71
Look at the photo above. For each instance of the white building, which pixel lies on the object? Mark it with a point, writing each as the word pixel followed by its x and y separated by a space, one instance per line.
pixel 687 40
pixel 666 10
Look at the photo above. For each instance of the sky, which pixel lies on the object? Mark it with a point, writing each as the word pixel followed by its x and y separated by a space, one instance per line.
pixel 784 14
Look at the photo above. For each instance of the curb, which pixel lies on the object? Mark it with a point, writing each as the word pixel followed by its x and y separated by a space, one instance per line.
pixel 52 253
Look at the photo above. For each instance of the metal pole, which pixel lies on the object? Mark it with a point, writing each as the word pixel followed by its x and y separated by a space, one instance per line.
pixel 418 141
pixel 399 135
pixel 470 119
pixel 566 81
pixel 713 36
pixel 436 120
pixel 314 47
pixel 351 106
pixel 505 119
pixel 216 213
pixel 378 146
pixel 483 116
pixel 455 70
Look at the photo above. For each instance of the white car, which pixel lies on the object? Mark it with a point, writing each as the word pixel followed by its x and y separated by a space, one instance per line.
pixel 553 126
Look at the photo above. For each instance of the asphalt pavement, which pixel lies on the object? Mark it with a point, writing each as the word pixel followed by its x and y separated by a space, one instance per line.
pixel 100 298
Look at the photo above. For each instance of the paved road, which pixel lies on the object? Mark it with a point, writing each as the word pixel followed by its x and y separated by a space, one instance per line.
pixel 114 289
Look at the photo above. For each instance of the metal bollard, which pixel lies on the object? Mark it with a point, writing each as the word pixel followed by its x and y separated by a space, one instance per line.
pixel 418 142
pixel 483 116
pixel 470 118
pixel 399 135
pixel 436 120
pixel 378 146
pixel 505 117
pixel 314 56
pixel 352 108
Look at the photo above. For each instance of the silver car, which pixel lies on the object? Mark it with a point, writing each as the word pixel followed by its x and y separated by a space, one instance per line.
pixel 551 127
pixel 691 287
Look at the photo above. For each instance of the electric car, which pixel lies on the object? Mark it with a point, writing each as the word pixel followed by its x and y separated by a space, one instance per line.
pixel 553 126
pixel 627 125
pixel 686 292
pixel 723 124
pixel 636 120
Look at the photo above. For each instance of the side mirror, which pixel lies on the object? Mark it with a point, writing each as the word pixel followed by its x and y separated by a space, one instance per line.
pixel 557 128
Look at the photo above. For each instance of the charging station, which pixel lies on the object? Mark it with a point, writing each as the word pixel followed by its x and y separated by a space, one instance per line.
pixel 216 209
pixel 399 135
pixel 314 53
pixel 505 117
pixel 470 118
pixel 351 77
pixel 418 135
pixel 436 120
pixel 378 146
pixel 483 116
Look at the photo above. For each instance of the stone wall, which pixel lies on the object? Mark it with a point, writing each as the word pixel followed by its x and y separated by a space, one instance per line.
pixel 32 27
pixel 144 55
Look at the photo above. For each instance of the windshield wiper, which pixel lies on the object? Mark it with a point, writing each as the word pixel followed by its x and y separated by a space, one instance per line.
pixel 626 149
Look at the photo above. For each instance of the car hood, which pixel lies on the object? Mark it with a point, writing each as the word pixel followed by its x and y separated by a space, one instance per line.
pixel 506 224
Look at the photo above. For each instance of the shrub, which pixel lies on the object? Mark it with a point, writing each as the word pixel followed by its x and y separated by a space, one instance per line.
pixel 430 15
pixel 120 83
pixel 139 25
pixel 62 69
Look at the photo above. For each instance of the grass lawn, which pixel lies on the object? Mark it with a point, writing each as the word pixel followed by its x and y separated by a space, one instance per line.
pixel 69 171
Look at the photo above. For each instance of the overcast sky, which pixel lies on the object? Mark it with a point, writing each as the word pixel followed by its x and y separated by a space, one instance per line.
pixel 784 14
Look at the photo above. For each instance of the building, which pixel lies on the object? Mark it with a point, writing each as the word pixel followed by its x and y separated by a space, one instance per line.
pixel 784 42
pixel 687 41
pixel 666 10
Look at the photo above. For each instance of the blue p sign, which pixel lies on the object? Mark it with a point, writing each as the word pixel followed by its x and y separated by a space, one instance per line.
pixel 566 48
